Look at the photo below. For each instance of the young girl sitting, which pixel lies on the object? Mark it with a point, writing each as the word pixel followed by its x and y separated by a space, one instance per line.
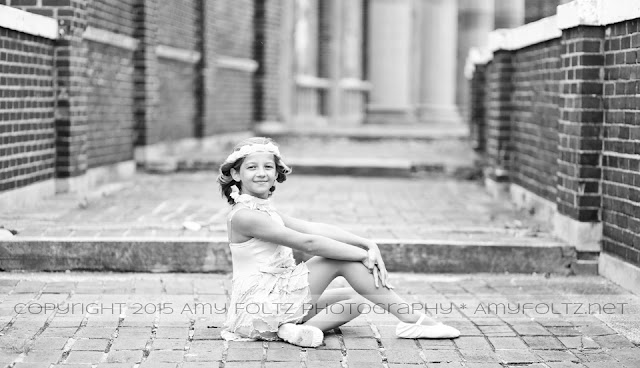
pixel 273 298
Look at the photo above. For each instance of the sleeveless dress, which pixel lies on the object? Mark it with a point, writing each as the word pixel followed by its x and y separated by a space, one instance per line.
pixel 268 288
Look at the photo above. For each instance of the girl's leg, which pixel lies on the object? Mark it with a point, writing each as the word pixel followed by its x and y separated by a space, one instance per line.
pixel 323 270
pixel 340 303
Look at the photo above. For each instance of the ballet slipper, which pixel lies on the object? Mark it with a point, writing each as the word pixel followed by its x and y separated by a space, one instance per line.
pixel 419 331
pixel 301 335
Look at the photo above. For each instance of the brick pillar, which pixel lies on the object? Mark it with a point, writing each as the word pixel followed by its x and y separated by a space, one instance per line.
pixel 146 71
pixel 477 112
pixel 201 68
pixel 268 17
pixel 71 100
pixel 330 42
pixel 499 110
pixel 580 137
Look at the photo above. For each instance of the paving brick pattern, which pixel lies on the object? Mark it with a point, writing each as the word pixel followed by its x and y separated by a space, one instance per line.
pixel 151 320
pixel 156 206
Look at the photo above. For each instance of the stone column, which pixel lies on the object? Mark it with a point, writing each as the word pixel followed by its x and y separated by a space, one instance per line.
pixel 508 13
pixel 71 99
pixel 475 21
pixel 146 75
pixel 437 78
pixel 389 55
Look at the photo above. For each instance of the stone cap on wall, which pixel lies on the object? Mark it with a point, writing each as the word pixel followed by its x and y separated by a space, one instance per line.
pixel 573 14
pixel 529 34
pixel 25 22
pixel 596 12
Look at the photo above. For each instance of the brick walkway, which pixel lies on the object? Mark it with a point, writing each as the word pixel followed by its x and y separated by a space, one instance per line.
pixel 156 206
pixel 114 320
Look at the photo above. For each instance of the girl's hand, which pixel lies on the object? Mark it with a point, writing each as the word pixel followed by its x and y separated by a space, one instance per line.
pixel 376 265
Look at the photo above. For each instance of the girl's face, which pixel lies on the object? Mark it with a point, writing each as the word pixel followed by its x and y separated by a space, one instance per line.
pixel 257 174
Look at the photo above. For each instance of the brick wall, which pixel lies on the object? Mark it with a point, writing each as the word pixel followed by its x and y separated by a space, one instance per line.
pixel 477 112
pixel 230 34
pixel 499 91
pixel 110 112
pixel 621 150
pixel 568 114
pixel 534 121
pixel 179 23
pixel 178 84
pixel 267 22
pixel 110 93
pixel 581 124
pixel 27 131
pixel 112 15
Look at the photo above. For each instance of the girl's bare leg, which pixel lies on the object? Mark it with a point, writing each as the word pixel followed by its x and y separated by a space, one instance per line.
pixel 341 303
pixel 323 270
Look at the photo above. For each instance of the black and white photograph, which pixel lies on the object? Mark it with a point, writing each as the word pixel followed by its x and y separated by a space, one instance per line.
pixel 319 183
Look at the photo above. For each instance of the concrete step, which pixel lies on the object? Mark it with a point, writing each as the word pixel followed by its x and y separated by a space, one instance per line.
pixel 370 132
pixel 385 167
pixel 213 255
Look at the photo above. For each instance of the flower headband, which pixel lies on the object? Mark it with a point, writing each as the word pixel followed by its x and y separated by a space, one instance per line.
pixel 249 149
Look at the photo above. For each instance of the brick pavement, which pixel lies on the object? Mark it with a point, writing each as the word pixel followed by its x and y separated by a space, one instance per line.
pixel 156 206
pixel 151 320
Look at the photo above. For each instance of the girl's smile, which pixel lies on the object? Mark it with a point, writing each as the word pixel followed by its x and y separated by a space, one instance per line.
pixel 257 174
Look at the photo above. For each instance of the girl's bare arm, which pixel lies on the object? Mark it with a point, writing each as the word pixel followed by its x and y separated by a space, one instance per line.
pixel 327 230
pixel 261 226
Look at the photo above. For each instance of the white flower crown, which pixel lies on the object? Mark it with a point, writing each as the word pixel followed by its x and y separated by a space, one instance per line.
pixel 249 149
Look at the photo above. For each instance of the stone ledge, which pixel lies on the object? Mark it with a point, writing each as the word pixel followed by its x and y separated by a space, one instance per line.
pixel 596 12
pixel 621 272
pixel 570 15
pixel 174 53
pixel 213 255
pixel 241 64
pixel 355 84
pixel 529 34
pixel 25 22
pixel 311 81
pixel 585 236
pixel 110 38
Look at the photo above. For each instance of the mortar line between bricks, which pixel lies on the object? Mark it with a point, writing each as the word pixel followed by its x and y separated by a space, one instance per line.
pixel 13 320
pixel 66 350
pixel 518 335
pixel 154 328
pixel 304 358
pixel 376 334
pixel 29 343
pixel 486 338
pixel 114 335
pixel 343 348
pixel 263 361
